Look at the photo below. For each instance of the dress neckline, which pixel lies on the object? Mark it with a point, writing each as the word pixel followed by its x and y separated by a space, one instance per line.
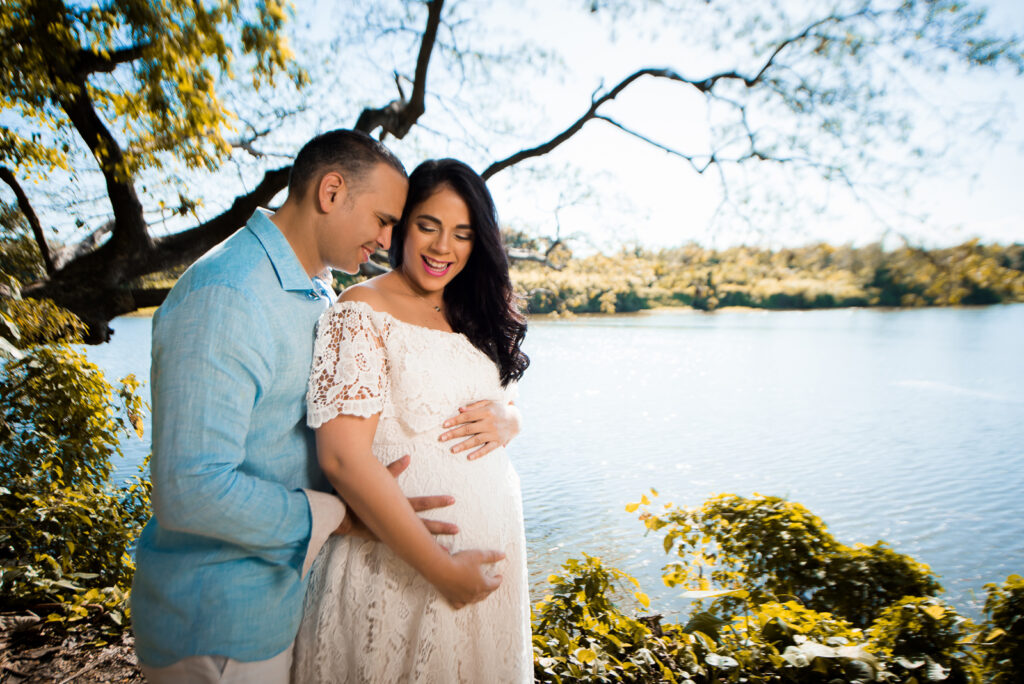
pixel 399 320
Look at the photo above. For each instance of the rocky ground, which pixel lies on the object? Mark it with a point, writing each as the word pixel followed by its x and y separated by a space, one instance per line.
pixel 29 653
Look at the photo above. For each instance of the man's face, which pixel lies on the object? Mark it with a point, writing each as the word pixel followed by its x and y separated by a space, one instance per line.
pixel 361 223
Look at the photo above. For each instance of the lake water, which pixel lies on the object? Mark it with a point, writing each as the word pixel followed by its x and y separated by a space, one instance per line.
pixel 906 426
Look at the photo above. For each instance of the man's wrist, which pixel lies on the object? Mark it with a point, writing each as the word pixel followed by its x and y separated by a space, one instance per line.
pixel 327 513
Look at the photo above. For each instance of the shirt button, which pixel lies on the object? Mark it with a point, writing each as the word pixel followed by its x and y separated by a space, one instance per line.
pixel 312 295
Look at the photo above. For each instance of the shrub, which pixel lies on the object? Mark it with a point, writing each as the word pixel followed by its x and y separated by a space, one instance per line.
pixel 580 633
pixel 925 639
pixel 1004 650
pixel 66 531
pixel 787 642
pixel 774 549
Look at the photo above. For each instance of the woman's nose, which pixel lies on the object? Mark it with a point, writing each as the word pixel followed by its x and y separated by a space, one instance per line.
pixel 441 242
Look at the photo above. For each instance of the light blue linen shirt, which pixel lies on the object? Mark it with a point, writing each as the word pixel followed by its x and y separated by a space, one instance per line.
pixel 219 565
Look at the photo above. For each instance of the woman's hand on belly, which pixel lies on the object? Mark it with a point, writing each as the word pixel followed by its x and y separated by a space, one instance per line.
pixel 464 580
pixel 487 424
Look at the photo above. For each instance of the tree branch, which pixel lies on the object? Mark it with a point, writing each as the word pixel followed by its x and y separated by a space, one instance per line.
pixel 149 297
pixel 399 116
pixel 129 233
pixel 522 254
pixel 689 158
pixel 68 253
pixel 189 245
pixel 88 62
pixel 576 126
pixel 705 85
pixel 30 215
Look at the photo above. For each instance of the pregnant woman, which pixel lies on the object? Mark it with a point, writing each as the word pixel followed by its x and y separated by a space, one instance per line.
pixel 395 357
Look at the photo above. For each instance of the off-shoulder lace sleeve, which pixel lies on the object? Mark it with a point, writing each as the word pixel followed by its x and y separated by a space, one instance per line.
pixel 349 374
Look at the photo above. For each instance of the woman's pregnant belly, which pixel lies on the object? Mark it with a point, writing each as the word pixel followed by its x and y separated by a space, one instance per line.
pixel 488 503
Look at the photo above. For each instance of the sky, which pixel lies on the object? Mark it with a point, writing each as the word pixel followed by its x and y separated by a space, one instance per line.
pixel 973 191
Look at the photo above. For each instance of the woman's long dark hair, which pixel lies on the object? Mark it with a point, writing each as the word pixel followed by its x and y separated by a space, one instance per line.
pixel 479 302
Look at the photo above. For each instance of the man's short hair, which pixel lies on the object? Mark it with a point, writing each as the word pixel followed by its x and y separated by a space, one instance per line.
pixel 351 153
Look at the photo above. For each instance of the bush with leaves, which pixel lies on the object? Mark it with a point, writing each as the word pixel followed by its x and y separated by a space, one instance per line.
pixel 787 642
pixel 580 633
pixel 774 549
pixel 1004 634
pixel 848 626
pixel 66 530
pixel 926 639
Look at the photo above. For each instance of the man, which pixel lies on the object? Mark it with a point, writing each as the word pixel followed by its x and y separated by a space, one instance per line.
pixel 240 506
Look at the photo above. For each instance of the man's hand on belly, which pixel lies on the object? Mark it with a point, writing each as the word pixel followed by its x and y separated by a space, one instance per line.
pixel 353 526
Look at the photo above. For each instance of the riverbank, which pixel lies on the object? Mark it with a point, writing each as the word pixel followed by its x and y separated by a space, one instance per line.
pixel 814 277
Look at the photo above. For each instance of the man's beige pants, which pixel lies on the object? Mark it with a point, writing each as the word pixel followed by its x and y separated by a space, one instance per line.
pixel 222 670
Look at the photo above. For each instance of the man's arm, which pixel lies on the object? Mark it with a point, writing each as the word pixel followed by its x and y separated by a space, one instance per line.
pixel 211 361
pixel 487 424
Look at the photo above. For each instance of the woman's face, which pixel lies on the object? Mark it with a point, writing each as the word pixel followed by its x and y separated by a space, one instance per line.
pixel 438 240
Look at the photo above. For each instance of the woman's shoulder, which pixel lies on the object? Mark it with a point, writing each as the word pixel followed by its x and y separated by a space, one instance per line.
pixel 367 301
pixel 376 292
pixel 366 292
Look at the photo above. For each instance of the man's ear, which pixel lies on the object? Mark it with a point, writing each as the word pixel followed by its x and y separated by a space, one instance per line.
pixel 331 191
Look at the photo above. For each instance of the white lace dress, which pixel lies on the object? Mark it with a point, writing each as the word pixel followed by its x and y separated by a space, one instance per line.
pixel 369 617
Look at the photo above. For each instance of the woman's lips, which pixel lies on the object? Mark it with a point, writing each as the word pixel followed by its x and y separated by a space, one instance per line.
pixel 435 268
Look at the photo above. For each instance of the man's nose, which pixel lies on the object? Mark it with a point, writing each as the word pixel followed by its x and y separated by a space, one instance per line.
pixel 384 239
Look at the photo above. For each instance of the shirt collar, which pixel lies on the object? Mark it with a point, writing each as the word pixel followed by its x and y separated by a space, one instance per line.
pixel 289 271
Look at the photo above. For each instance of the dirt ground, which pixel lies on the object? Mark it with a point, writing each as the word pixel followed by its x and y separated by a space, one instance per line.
pixel 30 655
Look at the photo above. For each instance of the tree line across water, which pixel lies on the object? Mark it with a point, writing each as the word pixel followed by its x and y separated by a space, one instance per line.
pixel 816 276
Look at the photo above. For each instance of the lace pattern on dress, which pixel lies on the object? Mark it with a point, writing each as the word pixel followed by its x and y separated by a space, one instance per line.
pixel 369 617
pixel 350 372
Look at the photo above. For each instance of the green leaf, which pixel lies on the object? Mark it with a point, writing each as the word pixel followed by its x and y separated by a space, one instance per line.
pixel 706 623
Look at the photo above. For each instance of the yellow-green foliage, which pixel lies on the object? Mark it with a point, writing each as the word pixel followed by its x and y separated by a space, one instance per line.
pixel 816 276
pixel 53 54
pixel 588 628
pixel 788 642
pixel 39 321
pixel 772 548
pixel 923 637
pixel 65 529
pixel 1004 637
pixel 19 252
pixel 27 323
pixel 581 632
